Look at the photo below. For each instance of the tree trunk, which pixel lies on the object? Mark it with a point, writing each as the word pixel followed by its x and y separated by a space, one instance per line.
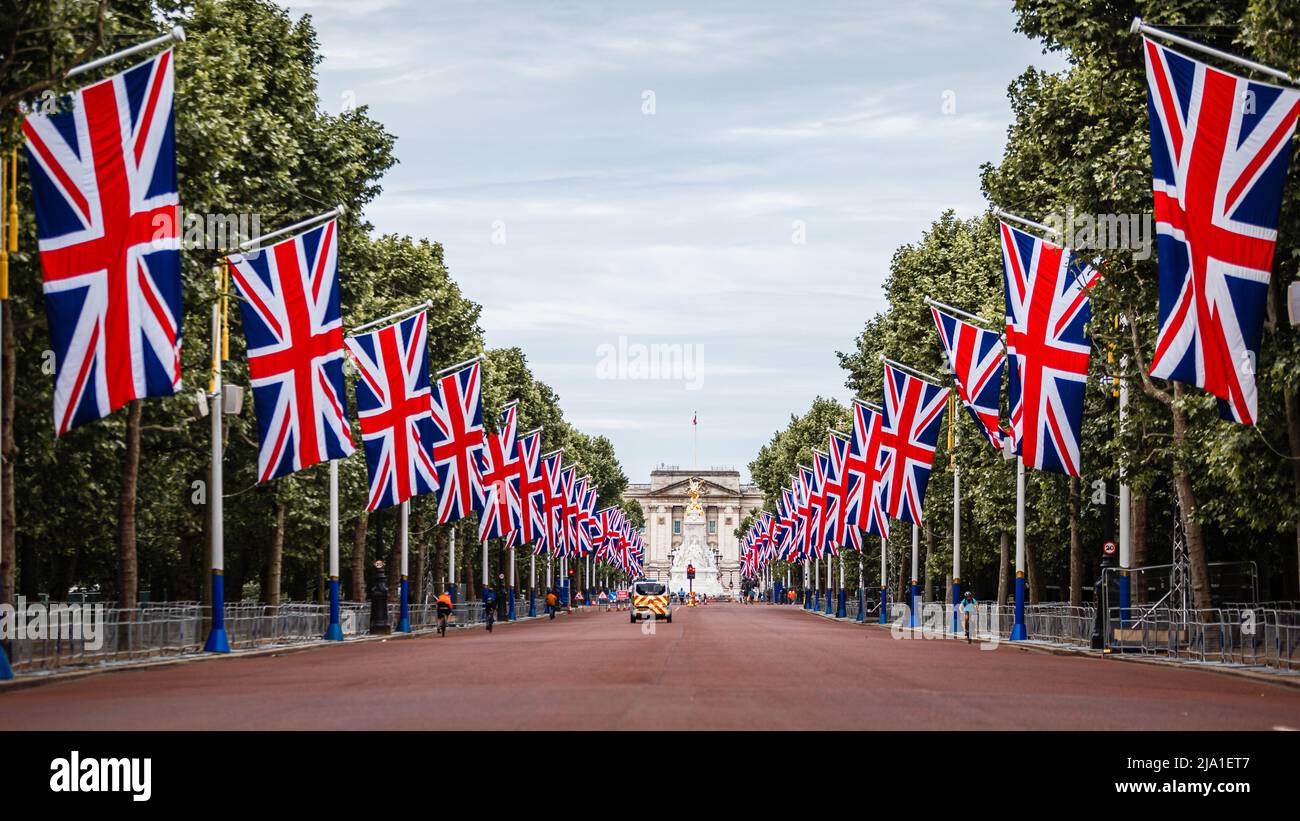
pixel 1196 552
pixel 127 570
pixel 358 592
pixel 439 573
pixel 9 453
pixel 1293 438
pixel 1033 580
pixel 1004 565
pixel 1076 547
pixel 271 585
pixel 322 572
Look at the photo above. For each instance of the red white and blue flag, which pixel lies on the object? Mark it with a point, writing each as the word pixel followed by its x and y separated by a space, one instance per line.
pixel 804 512
pixel 294 331
pixel 552 538
pixel 532 492
pixel 865 506
pixel 825 502
pixel 1220 146
pixel 394 410
pixel 785 525
pixel 976 358
pixel 103 174
pixel 913 415
pixel 499 465
pixel 458 443
pixel 842 484
pixel 1047 311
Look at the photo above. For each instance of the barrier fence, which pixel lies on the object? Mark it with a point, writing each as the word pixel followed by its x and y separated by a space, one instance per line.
pixel 161 630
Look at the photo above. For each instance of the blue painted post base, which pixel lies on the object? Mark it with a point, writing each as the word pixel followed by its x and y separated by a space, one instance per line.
pixel 807 600
pixel 1125 593
pixel 817 601
pixel 884 605
pixel 510 607
pixel 841 611
pixel 862 605
pixel 6 672
pixel 404 620
pixel 335 631
pixel 1018 631
pixel 532 604
pixel 217 641
pixel 956 606
pixel 829 609
pixel 916 594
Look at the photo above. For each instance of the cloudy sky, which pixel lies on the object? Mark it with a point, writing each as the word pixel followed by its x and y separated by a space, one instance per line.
pixel 730 178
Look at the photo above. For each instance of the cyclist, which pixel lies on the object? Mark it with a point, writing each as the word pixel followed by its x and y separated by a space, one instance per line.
pixel 489 607
pixel 551 601
pixel 968 608
pixel 443 610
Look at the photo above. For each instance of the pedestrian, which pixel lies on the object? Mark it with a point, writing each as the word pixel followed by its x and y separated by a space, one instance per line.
pixel 790 595
pixel 551 602
pixel 968 609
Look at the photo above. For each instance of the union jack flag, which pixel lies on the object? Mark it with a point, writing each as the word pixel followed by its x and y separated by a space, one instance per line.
pixel 976 358
pixel 804 514
pixel 825 501
pixel 865 506
pixel 569 510
pixel 913 415
pixel 842 486
pixel 532 492
pixel 553 475
pixel 605 534
pixel 394 410
pixel 458 443
pixel 103 174
pixel 1047 309
pixel 1220 146
pixel 290 309
pixel 498 464
pixel 785 525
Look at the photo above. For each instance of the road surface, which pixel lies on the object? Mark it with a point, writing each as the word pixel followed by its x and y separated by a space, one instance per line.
pixel 715 667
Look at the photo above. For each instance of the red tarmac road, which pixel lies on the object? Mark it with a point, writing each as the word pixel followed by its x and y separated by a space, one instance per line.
pixel 715 667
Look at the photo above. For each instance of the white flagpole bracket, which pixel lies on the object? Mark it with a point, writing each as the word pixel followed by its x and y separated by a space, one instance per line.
pixel 460 365
pixel 402 314
pixel 177 34
pixel 868 405
pixel 913 371
pixel 958 311
pixel 1028 223
pixel 255 243
pixel 1138 27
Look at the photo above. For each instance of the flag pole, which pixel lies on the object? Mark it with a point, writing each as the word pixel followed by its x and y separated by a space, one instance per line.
pixel 532 585
pixel 402 314
pixel 255 244
pixel 403 538
pixel 1028 223
pixel 334 632
pixel 1018 632
pixel 217 641
pixel 1125 502
pixel 884 581
pixel 177 34
pixel 1138 27
pixel 953 439
pixel 910 370
pixel 451 561
pixel 916 587
pixel 8 242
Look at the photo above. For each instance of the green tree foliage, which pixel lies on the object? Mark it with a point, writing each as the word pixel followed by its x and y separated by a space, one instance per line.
pixel 252 139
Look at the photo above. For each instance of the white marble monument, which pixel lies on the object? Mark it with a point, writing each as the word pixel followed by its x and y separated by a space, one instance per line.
pixel 694 551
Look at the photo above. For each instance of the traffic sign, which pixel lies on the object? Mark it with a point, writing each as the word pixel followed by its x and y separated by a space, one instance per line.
pixel 1109 548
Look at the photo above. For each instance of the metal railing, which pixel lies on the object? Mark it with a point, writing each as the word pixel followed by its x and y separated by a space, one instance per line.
pixel 163 629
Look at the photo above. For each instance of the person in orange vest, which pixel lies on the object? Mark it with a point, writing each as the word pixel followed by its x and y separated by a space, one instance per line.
pixel 551 602
pixel 790 595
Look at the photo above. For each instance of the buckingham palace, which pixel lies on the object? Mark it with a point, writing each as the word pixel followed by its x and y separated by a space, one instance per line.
pixel 725 501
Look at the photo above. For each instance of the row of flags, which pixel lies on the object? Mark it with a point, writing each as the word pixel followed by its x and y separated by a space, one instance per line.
pixel 1220 148
pixel 103 171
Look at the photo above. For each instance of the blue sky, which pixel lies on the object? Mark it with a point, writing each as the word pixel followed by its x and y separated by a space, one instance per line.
pixel 576 217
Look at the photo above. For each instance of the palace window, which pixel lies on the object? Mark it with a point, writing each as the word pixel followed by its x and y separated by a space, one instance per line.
pixel 713 526
pixel 677 527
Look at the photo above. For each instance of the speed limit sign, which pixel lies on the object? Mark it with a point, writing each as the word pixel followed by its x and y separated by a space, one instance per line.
pixel 1108 548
